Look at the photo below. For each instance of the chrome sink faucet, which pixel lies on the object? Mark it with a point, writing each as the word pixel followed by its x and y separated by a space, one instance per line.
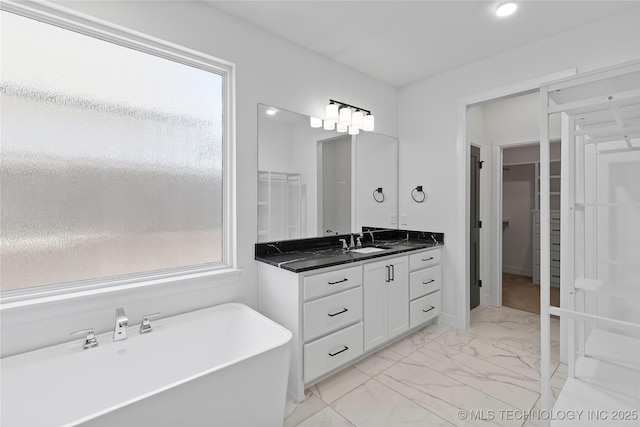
pixel 120 330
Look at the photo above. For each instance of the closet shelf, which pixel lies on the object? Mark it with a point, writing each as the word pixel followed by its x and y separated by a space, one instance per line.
pixel 579 395
pixel 607 288
pixel 614 378
pixel 604 204
pixel 621 350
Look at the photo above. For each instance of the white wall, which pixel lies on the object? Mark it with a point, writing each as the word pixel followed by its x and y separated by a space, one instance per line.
pixel 377 166
pixel 428 119
pixel 268 70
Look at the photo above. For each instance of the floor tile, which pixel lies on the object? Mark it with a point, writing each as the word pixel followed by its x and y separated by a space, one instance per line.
pixel 413 342
pixel 515 389
pixel 443 395
pixel 298 412
pixel 326 417
pixel 517 360
pixel 373 404
pixel 338 385
pixel 560 375
pixel 378 362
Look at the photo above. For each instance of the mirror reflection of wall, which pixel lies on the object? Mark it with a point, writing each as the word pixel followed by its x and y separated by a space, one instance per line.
pixel 294 201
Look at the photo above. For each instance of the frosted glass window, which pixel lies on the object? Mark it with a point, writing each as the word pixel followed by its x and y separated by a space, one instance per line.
pixel 111 159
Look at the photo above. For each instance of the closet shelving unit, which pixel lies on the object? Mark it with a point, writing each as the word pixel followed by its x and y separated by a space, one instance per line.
pixel 280 202
pixel 600 245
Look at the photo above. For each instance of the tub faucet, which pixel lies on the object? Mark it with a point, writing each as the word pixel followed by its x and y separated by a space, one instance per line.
pixel 120 330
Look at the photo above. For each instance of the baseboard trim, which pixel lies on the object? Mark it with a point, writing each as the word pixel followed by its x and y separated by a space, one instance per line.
pixel 517 270
pixel 447 319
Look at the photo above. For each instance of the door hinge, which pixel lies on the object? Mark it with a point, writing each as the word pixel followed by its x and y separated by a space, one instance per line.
pixel 480 164
pixel 479 283
pixel 479 224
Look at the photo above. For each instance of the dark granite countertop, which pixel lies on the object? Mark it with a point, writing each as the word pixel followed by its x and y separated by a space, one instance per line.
pixel 310 254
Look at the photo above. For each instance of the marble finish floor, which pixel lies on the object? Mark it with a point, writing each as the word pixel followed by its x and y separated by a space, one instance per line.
pixel 437 376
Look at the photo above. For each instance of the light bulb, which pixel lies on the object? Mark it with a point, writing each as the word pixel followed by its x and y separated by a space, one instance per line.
pixel 345 116
pixel 331 112
pixel 315 122
pixel 368 123
pixel 271 112
pixel 506 9
pixel 329 125
pixel 353 130
pixel 341 128
pixel 357 119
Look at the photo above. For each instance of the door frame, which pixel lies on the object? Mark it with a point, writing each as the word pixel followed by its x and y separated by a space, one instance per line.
pixel 497 183
pixel 480 211
pixel 463 156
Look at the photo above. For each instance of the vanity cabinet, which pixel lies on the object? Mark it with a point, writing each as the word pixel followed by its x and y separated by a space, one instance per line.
pixel 386 293
pixel 425 281
pixel 339 314
pixel 323 310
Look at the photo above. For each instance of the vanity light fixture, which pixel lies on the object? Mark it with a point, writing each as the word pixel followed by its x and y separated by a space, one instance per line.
pixel 357 119
pixel 315 122
pixel 331 112
pixel 345 117
pixel 506 9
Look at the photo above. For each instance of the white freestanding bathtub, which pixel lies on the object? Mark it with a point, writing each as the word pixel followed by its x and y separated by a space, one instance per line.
pixel 221 366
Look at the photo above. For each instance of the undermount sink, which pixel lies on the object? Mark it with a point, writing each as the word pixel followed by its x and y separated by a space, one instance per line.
pixel 368 250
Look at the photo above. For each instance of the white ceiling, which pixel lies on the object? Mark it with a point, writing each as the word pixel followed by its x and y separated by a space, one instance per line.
pixel 401 42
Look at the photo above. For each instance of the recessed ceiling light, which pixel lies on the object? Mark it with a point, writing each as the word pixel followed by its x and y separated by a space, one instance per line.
pixel 506 9
pixel 271 112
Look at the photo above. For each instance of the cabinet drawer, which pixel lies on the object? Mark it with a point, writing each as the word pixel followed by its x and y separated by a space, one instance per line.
pixel 554 276
pixel 424 259
pixel 554 230
pixel 424 281
pixel 555 241
pixel 425 308
pixel 555 258
pixel 331 313
pixel 332 282
pixel 554 218
pixel 327 353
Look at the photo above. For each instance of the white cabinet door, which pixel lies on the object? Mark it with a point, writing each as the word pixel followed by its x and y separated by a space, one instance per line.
pixel 398 297
pixel 386 300
pixel 375 282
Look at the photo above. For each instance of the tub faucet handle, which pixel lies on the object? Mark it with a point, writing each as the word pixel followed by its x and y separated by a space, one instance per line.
pixel 344 243
pixel 120 329
pixel 145 326
pixel 90 340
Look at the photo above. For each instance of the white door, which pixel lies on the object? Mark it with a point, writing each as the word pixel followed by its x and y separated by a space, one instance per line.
pixel 398 297
pixel 375 280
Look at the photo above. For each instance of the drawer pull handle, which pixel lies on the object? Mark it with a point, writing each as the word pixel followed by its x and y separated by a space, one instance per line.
pixel 388 278
pixel 430 281
pixel 428 259
pixel 339 281
pixel 553 275
pixel 428 309
pixel 556 244
pixel 340 312
pixel 555 260
pixel 338 352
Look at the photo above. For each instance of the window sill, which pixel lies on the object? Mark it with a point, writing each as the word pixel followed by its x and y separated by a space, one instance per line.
pixel 219 277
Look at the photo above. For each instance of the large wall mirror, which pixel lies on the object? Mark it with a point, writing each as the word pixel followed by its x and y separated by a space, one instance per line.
pixel 314 182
